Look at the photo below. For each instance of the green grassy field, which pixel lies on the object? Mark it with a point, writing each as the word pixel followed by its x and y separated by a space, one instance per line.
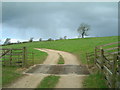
pixel 78 47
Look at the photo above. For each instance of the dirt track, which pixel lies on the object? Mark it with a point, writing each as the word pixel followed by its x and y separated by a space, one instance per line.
pixel 66 81
pixel 53 57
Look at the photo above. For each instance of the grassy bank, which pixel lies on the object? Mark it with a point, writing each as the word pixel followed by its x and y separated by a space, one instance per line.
pixel 49 82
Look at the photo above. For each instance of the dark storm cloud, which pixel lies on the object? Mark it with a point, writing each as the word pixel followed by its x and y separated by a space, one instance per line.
pixel 55 20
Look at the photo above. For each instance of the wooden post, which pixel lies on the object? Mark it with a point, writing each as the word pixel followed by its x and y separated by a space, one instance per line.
pixel 24 56
pixel 33 57
pixel 114 71
pixel 95 58
pixel 87 60
pixel 102 58
pixel 10 57
pixel 3 59
pixel 118 76
pixel 19 60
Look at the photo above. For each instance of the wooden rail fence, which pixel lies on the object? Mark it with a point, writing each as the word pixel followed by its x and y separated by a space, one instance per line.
pixel 107 59
pixel 16 57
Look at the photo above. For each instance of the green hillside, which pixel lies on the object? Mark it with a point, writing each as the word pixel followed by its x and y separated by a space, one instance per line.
pixel 79 47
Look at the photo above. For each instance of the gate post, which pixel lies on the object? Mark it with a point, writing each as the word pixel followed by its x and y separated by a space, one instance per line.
pixel 24 57
pixel 11 57
pixel 33 58
pixel 114 71
pixel 102 58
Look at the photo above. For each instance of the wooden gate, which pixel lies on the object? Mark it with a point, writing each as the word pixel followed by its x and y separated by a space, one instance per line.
pixel 15 57
pixel 107 59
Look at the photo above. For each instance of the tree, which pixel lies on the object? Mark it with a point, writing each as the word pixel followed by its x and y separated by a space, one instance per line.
pixel 83 29
pixel 31 39
pixel 40 39
pixel 50 39
pixel 65 37
pixel 7 41
pixel 18 41
pixel 61 38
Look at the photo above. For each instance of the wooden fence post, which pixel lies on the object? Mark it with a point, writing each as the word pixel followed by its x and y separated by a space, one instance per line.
pixel 33 57
pixel 3 59
pixel 87 60
pixel 95 55
pixel 10 57
pixel 24 56
pixel 102 58
pixel 114 71
pixel 118 76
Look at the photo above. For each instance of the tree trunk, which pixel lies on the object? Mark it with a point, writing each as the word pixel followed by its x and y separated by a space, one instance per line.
pixel 83 34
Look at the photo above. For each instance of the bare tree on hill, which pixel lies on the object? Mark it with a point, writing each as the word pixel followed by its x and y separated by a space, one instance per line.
pixel 31 39
pixel 83 29
pixel 65 37
pixel 7 41
pixel 50 39
pixel 18 41
pixel 40 39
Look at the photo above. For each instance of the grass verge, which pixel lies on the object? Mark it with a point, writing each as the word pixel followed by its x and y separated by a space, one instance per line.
pixel 49 82
pixel 95 80
pixel 9 74
pixel 61 60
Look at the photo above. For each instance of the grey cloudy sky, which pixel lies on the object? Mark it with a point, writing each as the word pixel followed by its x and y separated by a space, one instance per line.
pixel 22 20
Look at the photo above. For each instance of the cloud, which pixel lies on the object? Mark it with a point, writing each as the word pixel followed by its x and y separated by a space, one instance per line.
pixel 39 19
